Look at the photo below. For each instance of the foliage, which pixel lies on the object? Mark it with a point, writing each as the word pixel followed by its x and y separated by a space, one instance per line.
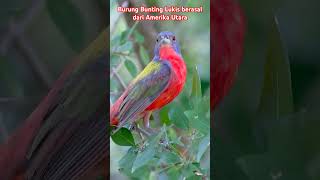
pixel 279 142
pixel 180 148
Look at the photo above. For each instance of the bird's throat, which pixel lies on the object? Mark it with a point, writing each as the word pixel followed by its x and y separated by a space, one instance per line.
pixel 167 52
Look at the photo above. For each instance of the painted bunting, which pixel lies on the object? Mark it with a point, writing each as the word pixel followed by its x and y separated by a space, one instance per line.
pixel 158 84
pixel 227 28
pixel 65 137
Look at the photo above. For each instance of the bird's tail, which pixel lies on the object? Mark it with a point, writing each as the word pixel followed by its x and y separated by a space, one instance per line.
pixel 12 152
pixel 114 111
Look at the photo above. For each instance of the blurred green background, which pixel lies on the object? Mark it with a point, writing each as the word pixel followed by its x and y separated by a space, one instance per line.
pixel 250 143
pixel 193 36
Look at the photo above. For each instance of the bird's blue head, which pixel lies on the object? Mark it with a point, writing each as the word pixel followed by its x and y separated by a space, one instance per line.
pixel 166 38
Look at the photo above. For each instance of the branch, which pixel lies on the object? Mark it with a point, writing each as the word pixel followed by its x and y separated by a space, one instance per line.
pixel 147 28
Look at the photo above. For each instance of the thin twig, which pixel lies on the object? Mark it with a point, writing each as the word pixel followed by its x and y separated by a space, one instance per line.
pixel 124 4
pixel 117 68
pixel 147 28
pixel 119 78
pixel 114 93
pixel 120 53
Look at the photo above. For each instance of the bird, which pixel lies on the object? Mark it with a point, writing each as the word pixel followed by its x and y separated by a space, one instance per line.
pixel 158 84
pixel 65 137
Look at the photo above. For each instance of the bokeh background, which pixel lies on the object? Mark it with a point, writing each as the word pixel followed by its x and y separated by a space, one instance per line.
pixel 38 38
pixel 193 36
pixel 243 144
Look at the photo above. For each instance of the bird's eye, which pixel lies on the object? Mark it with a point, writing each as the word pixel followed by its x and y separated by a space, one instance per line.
pixel 157 40
pixel 174 38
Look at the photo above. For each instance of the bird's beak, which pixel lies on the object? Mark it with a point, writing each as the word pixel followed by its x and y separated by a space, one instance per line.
pixel 165 42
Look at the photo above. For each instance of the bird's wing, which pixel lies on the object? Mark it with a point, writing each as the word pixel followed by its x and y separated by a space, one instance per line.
pixel 67 126
pixel 71 129
pixel 144 89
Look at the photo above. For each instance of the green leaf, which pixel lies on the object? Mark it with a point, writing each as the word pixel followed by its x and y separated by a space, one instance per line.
pixel 125 48
pixel 139 38
pixel 174 139
pixel 144 157
pixel 276 102
pixel 131 67
pixel 144 55
pixel 131 30
pixel 276 98
pixel 115 41
pixel 148 152
pixel 124 36
pixel 123 137
pixel 178 118
pixel 196 83
pixel 164 118
pixel 69 21
pixel 174 172
pixel 142 173
pixel 190 169
pixel 203 146
pixel 198 121
pixel 126 162
pixel 169 158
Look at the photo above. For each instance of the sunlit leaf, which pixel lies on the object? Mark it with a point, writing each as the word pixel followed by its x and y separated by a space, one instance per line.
pixel 169 158
pixel 126 162
pixel 198 121
pixel 174 138
pixel 196 83
pixel 138 37
pixel 131 67
pixel 178 118
pixel 144 157
pixel 174 172
pixel 115 41
pixel 164 118
pixel 189 170
pixel 125 48
pixel 203 146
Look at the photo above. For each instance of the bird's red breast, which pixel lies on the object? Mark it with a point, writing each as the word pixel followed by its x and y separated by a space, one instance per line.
pixel 167 53
pixel 175 86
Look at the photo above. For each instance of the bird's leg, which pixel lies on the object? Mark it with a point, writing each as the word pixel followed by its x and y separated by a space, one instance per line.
pixel 132 126
pixel 143 131
pixel 146 123
pixel 146 119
